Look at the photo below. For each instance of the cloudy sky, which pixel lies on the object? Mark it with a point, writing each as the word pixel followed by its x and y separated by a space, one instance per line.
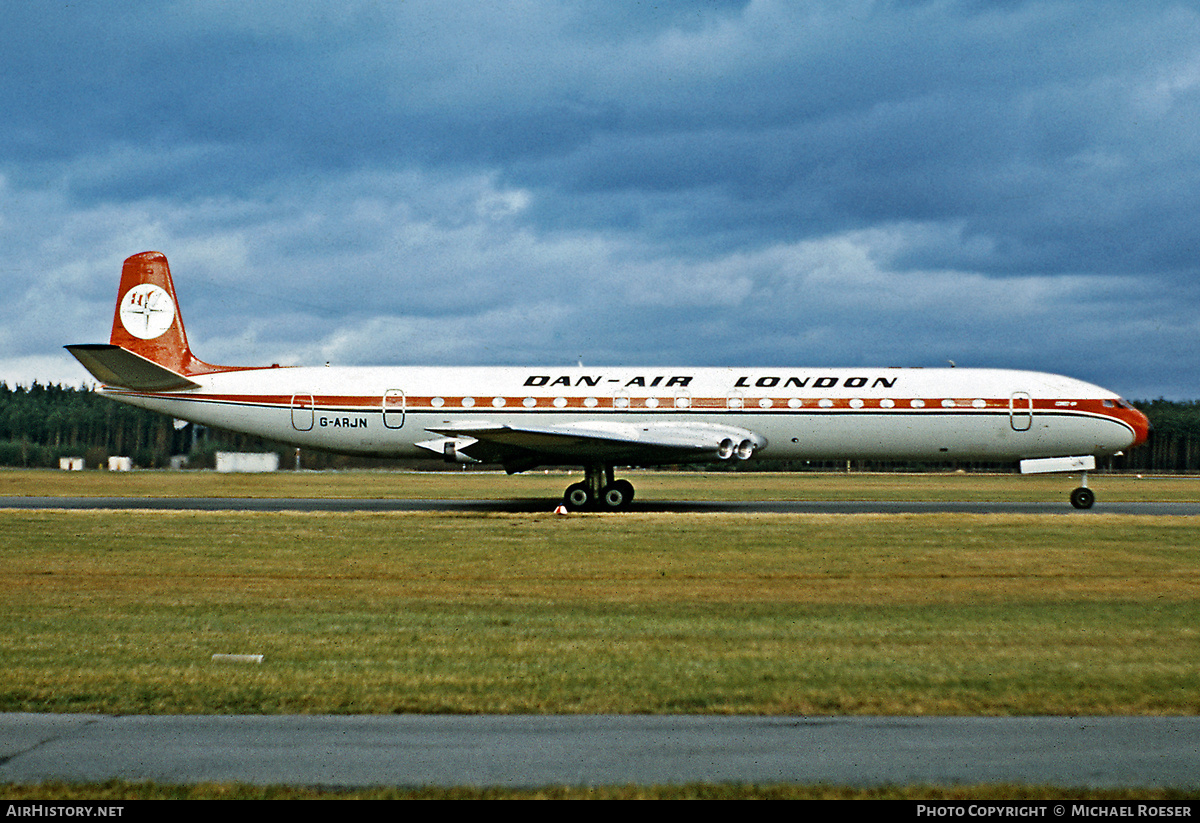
pixel 768 183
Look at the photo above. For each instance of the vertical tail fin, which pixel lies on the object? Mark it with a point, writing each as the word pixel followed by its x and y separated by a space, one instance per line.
pixel 148 348
pixel 147 320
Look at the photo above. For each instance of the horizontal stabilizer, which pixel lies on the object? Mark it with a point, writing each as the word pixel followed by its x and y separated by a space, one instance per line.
pixel 115 366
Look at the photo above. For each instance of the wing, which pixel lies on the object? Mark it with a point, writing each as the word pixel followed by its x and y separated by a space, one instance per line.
pixel 521 447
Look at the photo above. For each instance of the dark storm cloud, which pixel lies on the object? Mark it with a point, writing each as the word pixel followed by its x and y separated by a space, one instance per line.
pixel 999 183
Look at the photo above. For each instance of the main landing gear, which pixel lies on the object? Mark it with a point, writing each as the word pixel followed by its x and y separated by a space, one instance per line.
pixel 598 491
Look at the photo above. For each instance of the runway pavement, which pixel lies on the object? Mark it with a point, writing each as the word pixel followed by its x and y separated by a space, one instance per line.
pixel 1184 509
pixel 525 751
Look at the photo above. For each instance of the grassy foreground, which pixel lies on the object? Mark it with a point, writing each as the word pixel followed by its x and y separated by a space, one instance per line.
pixel 122 612
pixel 123 790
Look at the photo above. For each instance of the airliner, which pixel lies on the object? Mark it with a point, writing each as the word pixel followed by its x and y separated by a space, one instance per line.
pixel 604 418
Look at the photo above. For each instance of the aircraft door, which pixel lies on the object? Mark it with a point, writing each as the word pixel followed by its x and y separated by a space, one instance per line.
pixel 1020 411
pixel 302 412
pixel 393 409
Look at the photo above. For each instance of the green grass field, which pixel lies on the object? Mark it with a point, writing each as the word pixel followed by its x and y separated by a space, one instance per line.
pixel 939 614
pixel 717 613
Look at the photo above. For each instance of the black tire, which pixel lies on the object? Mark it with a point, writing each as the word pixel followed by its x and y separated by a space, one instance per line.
pixel 628 488
pixel 617 496
pixel 1083 498
pixel 578 497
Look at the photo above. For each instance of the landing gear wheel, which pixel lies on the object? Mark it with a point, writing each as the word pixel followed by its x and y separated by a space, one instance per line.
pixel 628 489
pixel 1083 498
pixel 617 495
pixel 578 497
pixel 598 491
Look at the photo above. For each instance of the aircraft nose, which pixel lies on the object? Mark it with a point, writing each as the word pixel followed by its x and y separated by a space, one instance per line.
pixel 1140 423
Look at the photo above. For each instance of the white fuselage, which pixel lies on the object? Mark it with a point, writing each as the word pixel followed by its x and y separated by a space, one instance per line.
pixel 812 414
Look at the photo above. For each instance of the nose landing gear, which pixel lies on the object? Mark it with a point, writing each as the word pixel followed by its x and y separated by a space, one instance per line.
pixel 1083 497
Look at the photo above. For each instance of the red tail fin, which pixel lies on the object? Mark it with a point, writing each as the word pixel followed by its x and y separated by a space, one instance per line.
pixel 147 320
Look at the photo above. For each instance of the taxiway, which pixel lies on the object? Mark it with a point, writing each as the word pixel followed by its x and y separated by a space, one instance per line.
pixel 529 751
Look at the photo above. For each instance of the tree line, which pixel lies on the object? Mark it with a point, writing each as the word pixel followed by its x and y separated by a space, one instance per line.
pixel 41 423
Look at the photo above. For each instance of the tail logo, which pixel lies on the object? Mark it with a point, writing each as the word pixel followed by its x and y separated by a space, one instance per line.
pixel 147 311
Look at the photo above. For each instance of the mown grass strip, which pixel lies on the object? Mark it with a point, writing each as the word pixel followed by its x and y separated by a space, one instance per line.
pixel 121 790
pixel 422 612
